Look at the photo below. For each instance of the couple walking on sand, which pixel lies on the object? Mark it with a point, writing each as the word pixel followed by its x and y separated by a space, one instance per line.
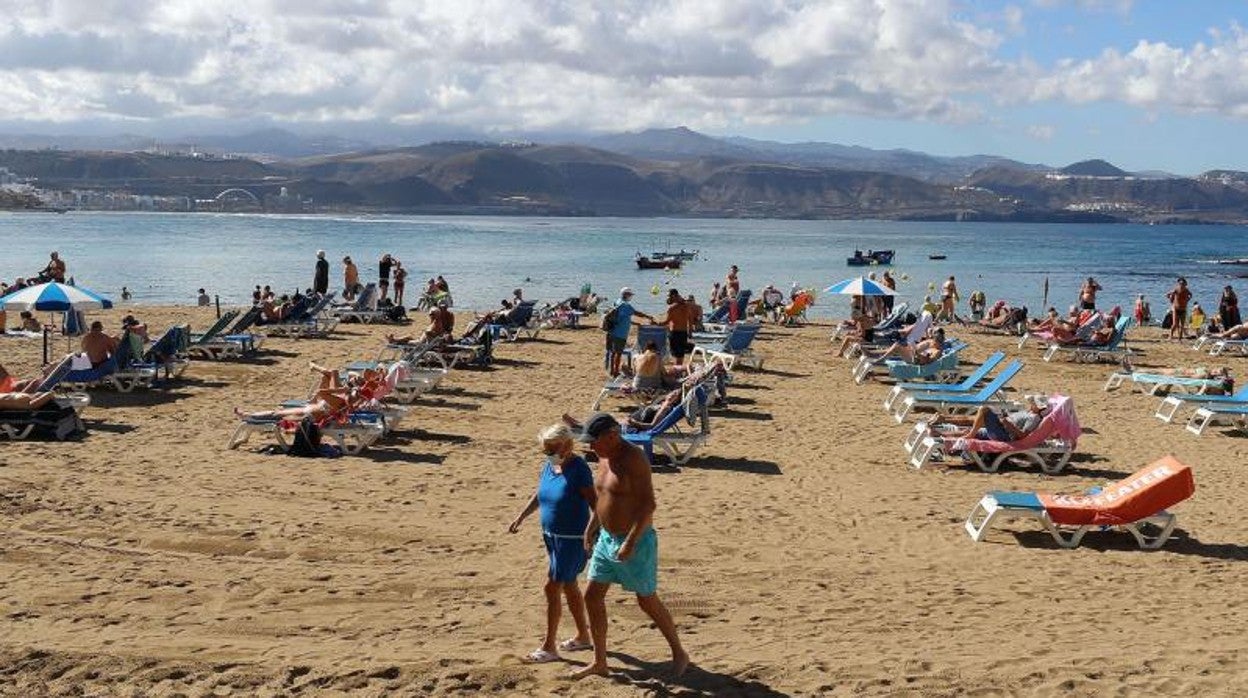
pixel 606 516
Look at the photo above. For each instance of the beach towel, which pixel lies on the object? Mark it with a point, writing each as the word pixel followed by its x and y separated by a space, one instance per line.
pixel 1145 493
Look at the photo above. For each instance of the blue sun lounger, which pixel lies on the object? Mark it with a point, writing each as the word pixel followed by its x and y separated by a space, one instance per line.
pixel 1171 404
pixel 676 443
pixel 961 402
pixel 967 385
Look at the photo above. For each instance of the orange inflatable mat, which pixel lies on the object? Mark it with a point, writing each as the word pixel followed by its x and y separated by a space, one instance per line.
pixel 1148 491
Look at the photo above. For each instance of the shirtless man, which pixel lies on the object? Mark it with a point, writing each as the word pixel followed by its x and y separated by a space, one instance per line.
pixel 625 550
pixel 55 271
pixel 97 345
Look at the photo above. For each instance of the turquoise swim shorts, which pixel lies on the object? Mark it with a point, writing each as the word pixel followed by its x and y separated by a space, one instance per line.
pixel 638 574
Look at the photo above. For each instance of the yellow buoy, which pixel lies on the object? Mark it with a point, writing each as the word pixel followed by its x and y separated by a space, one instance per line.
pixel 654 290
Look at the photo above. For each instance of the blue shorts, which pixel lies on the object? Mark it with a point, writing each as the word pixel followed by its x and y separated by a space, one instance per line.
pixel 567 556
pixel 638 574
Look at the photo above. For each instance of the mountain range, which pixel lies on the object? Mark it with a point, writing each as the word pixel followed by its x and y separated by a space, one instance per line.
pixel 655 172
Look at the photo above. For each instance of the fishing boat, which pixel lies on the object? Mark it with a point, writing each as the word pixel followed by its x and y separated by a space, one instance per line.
pixel 871 258
pixel 936 256
pixel 660 262
pixel 683 254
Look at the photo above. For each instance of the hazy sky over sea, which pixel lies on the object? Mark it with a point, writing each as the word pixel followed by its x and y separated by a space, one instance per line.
pixel 1148 85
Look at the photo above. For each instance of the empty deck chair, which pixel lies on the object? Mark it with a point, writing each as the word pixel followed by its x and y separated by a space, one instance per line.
pixel 1171 404
pixel 733 349
pixel 993 391
pixel 215 329
pixel 968 384
pixel 677 443
pixel 1111 350
pixel 364 309
pixel 235 342
pixel 1131 504
pixel 1048 446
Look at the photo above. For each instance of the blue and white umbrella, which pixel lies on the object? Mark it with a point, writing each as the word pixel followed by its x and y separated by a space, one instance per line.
pixel 860 286
pixel 54 297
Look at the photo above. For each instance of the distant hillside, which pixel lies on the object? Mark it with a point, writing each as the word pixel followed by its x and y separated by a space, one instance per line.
pixel 525 178
pixel 1093 168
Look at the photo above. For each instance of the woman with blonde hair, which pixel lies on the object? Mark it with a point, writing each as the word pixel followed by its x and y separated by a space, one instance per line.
pixel 565 495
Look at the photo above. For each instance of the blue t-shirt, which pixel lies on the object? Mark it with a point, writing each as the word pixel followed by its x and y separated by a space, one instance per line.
pixel 623 320
pixel 564 511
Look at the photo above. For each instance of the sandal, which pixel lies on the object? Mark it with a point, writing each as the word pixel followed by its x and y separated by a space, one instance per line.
pixel 573 645
pixel 540 656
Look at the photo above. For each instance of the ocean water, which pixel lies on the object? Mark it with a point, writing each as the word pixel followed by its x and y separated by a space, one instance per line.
pixel 164 258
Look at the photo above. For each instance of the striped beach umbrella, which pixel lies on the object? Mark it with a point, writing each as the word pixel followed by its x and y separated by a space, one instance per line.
pixel 53 297
pixel 860 286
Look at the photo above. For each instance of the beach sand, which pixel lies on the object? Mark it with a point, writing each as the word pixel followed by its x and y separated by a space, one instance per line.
pixel 798 553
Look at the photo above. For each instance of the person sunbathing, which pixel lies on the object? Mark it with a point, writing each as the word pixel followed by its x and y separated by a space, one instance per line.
pixel 641 419
pixel 19 400
pixel 987 425
pixel 924 352
pixel 10 383
pixel 648 368
pixel 1239 331
pixel 28 322
pixel 97 345
pixel 998 315
pixel 331 398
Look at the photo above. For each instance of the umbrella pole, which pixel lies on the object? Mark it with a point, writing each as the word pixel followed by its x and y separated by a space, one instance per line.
pixel 45 345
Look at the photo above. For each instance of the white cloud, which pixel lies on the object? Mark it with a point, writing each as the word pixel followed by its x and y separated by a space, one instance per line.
pixel 547 64
pixel 1205 78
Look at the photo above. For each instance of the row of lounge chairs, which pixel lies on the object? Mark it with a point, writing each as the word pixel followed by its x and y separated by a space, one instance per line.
pixel 1137 504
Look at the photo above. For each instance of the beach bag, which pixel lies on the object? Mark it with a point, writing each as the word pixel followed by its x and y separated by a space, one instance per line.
pixel 608 320
pixel 307 440
pixel 1168 321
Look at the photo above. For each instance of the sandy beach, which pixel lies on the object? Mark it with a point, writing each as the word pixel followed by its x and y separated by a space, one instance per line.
pixel 798 553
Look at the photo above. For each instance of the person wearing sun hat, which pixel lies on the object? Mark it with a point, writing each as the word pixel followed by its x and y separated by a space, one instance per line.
pixel 625 547
pixel 617 335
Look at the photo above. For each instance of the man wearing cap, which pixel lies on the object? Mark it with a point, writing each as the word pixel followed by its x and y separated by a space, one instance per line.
pixel 679 320
pixel 617 337
pixel 320 280
pixel 624 547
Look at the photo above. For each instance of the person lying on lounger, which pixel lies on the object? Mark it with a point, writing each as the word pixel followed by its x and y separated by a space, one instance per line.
pixel 643 418
pixel 331 398
pixel 924 352
pixel 1237 332
pixel 10 383
pixel 24 401
pixel 987 425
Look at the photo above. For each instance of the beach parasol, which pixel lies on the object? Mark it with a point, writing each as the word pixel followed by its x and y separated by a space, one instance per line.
pixel 860 286
pixel 53 297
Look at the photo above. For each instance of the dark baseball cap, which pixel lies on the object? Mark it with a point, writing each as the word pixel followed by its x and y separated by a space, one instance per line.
pixel 598 424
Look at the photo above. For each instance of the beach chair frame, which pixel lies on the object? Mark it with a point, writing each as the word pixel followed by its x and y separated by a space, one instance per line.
pixel 989 510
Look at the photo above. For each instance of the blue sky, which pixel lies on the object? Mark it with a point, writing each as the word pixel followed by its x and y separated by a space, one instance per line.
pixel 1145 84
